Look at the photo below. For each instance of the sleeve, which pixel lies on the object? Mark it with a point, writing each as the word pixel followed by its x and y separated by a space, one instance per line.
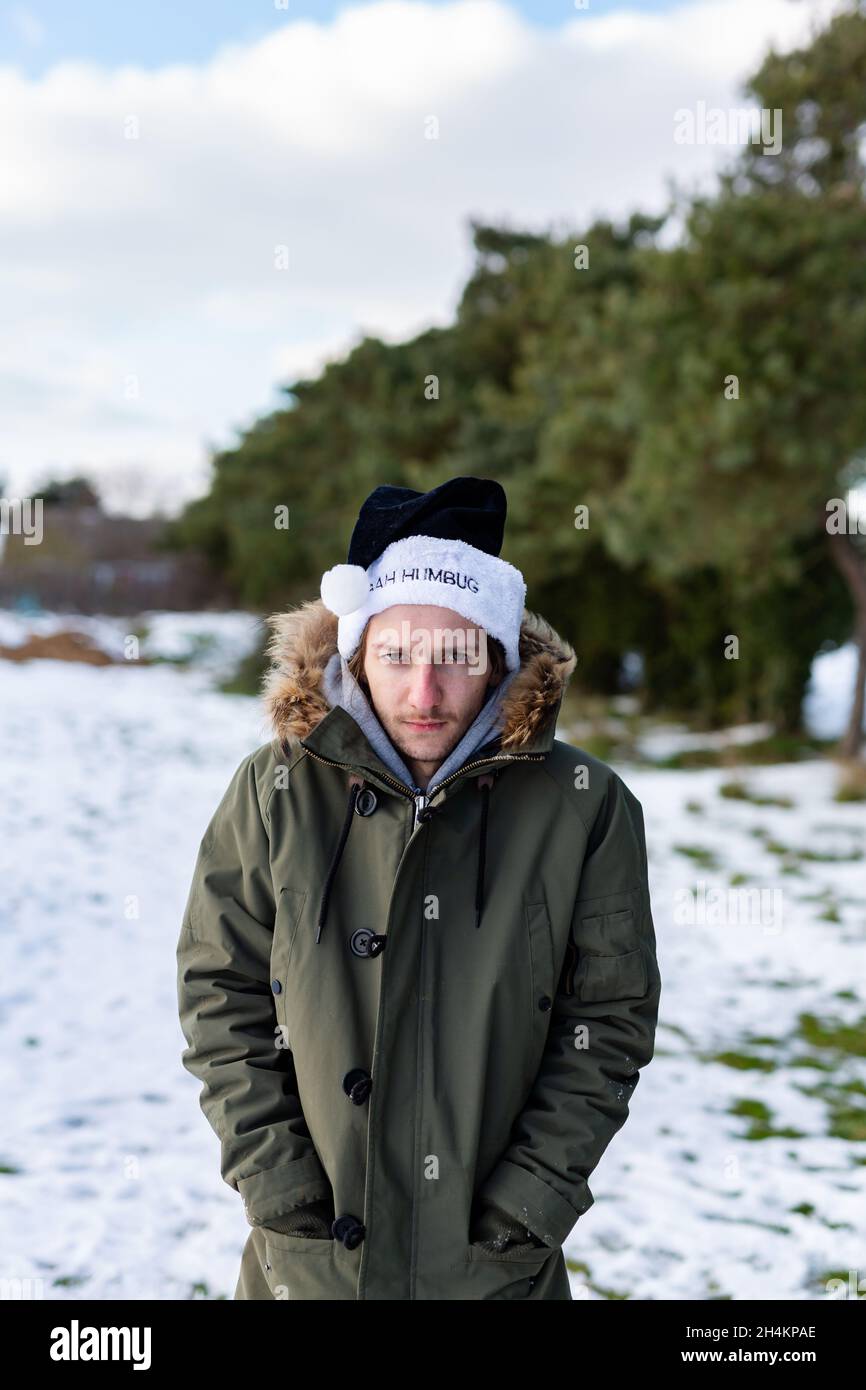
pixel 249 1089
pixel 602 1031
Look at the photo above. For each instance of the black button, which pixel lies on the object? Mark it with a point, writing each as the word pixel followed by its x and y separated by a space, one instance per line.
pixel 276 987
pixel 357 1084
pixel 365 942
pixel 366 802
pixel 349 1230
pixel 545 1002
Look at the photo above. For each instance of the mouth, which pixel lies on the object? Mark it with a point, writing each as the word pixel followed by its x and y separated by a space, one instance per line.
pixel 423 726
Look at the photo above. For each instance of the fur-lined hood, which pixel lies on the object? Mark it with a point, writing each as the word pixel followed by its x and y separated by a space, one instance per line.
pixel 304 639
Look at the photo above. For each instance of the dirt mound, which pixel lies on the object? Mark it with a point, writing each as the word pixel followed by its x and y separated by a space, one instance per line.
pixel 61 646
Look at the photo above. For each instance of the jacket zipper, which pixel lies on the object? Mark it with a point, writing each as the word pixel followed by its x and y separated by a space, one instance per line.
pixel 420 799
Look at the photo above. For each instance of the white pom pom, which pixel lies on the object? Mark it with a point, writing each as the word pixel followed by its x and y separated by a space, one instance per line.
pixel 344 588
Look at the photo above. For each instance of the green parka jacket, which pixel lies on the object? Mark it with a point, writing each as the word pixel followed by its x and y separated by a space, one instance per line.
pixel 412 1009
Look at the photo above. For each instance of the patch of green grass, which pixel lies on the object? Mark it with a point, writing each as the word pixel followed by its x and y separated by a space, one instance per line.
pixel 700 854
pixel 813 1062
pixel 738 791
pixel 848 1122
pixel 752 1109
pixel 695 808
pixel 743 1061
pixel 734 790
pixel 70 1281
pixel 850 794
pixel 762 1123
pixel 842 1037
pixel 200 1290
pixel 845 1121
pixel 830 914
pixel 817 856
pixel 794 858
pixel 688 758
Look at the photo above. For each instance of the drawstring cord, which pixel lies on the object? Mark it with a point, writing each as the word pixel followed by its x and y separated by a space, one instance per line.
pixel 484 783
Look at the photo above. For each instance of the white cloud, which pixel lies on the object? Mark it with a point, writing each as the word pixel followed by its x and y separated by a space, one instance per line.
pixel 154 256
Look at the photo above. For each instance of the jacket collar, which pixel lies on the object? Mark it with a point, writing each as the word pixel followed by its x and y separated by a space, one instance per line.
pixel 303 641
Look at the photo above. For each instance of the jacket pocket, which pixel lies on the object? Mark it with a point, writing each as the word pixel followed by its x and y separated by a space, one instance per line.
pixel 290 906
pixel 298 1267
pixel 622 976
pixel 609 963
pixel 541 963
pixel 503 1276
pixel 304 1245
pixel 521 1254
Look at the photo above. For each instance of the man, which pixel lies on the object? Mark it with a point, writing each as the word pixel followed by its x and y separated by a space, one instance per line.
pixel 417 972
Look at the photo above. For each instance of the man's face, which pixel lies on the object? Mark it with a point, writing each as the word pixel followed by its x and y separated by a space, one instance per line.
pixel 428 671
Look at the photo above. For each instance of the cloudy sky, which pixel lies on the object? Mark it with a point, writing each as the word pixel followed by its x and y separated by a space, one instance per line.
pixel 201 202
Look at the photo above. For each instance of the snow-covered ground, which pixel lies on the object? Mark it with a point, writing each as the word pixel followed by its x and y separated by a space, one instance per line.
pixel 109 1171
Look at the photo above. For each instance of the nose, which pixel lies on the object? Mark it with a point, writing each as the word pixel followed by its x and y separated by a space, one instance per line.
pixel 424 687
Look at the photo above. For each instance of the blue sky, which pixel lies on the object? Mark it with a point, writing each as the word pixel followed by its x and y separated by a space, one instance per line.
pixel 37 33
